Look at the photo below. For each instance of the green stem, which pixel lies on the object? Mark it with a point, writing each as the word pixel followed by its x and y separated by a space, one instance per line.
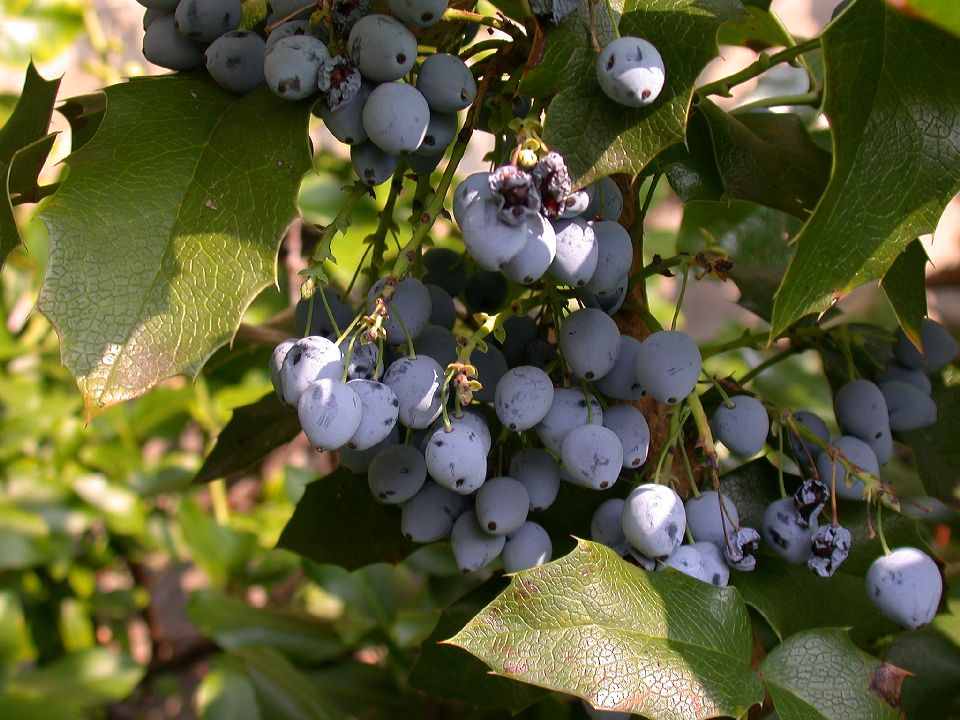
pixel 706 436
pixel 326 307
pixel 683 291
pixel 883 539
pixel 310 303
pixel 722 86
pixel 783 488
pixel 457 15
pixel 767 364
pixel 648 200
pixel 811 98
pixel 378 239
pixel 723 393
pixel 657 267
pixel 406 333
pixel 748 339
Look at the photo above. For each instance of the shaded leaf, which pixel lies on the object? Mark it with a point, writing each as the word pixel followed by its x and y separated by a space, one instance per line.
pixel 945 13
pixel 27 124
pixel 935 448
pixel 170 220
pixel 623 139
pixel 589 624
pixel 691 168
pixel 768 158
pixel 337 522
pixel 253 432
pixel 226 693
pixel 754 237
pixel 905 286
pixel 233 625
pixel 84 113
pixel 446 671
pixel 896 128
pixel 25 169
pixel 758 29
pixel 932 654
pixel 283 691
pixel 821 674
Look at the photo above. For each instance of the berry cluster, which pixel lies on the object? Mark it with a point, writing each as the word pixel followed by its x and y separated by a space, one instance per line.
pixel 364 103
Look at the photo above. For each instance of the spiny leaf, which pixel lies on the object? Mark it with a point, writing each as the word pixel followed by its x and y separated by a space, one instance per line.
pixel 26 125
pixel 945 13
pixel 896 128
pixel 906 289
pixel 662 645
pixel 166 228
pixel 618 138
pixel 821 674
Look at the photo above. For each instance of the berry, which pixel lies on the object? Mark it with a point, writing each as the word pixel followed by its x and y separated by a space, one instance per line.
pixel 538 251
pixel 235 61
pixel 539 474
pixel 606 526
pixel 523 397
pixel 396 474
pixel 456 459
pixel 653 520
pixel 782 528
pixel 905 586
pixel 416 383
pixel 908 406
pixel 688 560
pixel 409 307
pixel 861 410
pixel 621 382
pixel 740 549
pixel 668 365
pixel 632 429
pixel 502 504
pixel 164 46
pixel 833 473
pixel 421 13
pixel 568 411
pixel 447 83
pixel 526 548
pixel 207 20
pixel 552 179
pixel 590 341
pixel 939 348
pixel 707 521
pixel 717 569
pixel 805 450
pixel 345 123
pixel 743 427
pixel 339 81
pixel 515 194
pixel 593 456
pixel 330 413
pixel 380 408
pixel 396 117
pixel 429 515
pixel 614 256
pixel 577 254
pixel 382 48
pixel 829 547
pixel 631 72
pixel 310 359
pixel 809 499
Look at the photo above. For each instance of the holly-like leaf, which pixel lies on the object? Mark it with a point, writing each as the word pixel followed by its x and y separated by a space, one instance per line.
pixel 820 674
pixel 945 13
pixel 905 286
pixel 337 522
pixel 757 30
pixel 768 158
pixel 658 644
pixel 896 129
pixel 935 448
pixel 754 237
pixel 446 671
pixel 596 135
pixel 84 113
pixel 253 432
pixel 282 690
pixel 26 125
pixel 166 228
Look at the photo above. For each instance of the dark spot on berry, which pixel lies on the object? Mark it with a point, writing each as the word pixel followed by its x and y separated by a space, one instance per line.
pixel 589 376
pixel 464 95
pixel 459 482
pixel 401 58
pixel 604 485
pixel 491 526
pixel 645 94
pixel 352 445
pixel 879 435
pixel 671 400
pixel 409 537
pixel 297 358
pixel 233 61
pixel 611 61
pixel 426 17
pixel 429 140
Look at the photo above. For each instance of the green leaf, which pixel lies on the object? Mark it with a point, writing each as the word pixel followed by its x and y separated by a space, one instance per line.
pixel 768 158
pixel 754 237
pixel 38 30
pixel 662 645
pixel 84 113
pixel 932 654
pixel 253 432
pixel 758 30
pixel 170 220
pixel 233 625
pixel 445 671
pixel 691 168
pixel 821 674
pixel 25 169
pixel 86 679
pixel 337 522
pixel 945 13
pixel 623 139
pixel 905 286
pixel 896 129
pixel 282 690
pixel 935 448
pixel 226 693
pixel 27 124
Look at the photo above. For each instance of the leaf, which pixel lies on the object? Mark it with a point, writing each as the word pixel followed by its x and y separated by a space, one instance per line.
pixel 896 130
pixel 233 625
pixel 226 693
pixel 168 223
pixel 25 168
pixel 944 13
pixel 758 30
pixel 445 671
pixel 768 158
pixel 337 522
pixel 662 645
pixel 27 124
pixel 754 237
pixel 252 433
pixel 691 169
pixel 932 654
pixel 905 286
pixel 38 30
pixel 821 674
pixel 84 113
pixel 622 139
pixel 283 691
pixel 935 448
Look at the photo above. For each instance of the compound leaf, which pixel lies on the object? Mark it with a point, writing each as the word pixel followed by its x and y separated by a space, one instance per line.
pixel 622 139
pixel 658 644
pixel 896 132
pixel 166 228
